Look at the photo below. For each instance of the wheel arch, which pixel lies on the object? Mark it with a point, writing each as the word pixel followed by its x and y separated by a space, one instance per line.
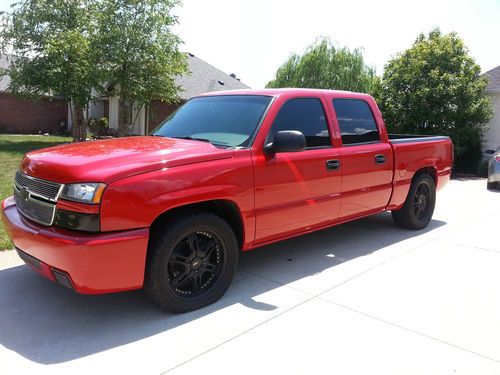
pixel 430 170
pixel 401 190
pixel 225 208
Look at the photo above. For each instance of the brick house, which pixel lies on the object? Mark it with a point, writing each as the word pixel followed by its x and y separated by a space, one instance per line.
pixel 19 115
pixel 24 116
pixel 492 136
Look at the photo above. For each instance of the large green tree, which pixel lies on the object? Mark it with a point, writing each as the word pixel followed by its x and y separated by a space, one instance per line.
pixel 435 87
pixel 55 53
pixel 79 49
pixel 141 53
pixel 325 66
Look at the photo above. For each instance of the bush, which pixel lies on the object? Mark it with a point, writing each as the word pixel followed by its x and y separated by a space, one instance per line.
pixel 98 127
pixel 433 88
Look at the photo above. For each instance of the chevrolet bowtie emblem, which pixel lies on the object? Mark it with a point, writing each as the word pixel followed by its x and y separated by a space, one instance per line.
pixel 24 193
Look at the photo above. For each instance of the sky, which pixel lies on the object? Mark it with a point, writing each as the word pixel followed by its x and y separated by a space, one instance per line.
pixel 252 38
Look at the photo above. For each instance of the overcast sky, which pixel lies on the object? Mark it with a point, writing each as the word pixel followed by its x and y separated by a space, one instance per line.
pixel 252 38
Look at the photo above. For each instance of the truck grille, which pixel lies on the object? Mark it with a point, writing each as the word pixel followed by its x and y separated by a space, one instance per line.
pixel 45 189
pixel 35 198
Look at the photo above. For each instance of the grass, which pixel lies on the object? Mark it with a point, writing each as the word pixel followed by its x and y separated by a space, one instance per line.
pixel 12 149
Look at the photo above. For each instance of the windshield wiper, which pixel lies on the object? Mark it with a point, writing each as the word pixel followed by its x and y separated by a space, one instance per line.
pixel 193 138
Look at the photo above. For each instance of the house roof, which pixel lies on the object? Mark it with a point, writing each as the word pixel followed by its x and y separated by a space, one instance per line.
pixel 205 78
pixel 493 77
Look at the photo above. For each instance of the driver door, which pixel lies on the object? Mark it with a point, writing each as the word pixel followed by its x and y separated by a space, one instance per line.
pixel 297 191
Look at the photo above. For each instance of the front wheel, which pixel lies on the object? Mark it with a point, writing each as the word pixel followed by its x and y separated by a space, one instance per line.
pixel 418 208
pixel 191 262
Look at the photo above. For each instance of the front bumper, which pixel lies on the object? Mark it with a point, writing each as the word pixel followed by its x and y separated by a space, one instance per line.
pixel 94 263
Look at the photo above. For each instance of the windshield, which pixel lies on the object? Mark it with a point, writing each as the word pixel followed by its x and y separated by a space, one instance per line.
pixel 225 120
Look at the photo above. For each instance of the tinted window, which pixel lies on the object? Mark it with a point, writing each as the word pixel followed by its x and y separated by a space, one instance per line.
pixel 225 120
pixel 356 121
pixel 307 116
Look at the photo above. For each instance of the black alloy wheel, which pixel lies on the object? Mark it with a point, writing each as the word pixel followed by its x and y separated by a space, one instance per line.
pixel 195 264
pixel 192 259
pixel 418 207
pixel 421 201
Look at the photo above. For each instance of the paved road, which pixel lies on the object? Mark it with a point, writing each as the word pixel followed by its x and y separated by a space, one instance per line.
pixel 361 298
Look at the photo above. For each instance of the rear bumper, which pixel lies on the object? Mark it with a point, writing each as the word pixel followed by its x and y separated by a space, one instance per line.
pixel 494 172
pixel 93 263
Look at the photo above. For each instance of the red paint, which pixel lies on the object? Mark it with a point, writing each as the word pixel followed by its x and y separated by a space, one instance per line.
pixel 96 263
pixel 110 160
pixel 77 207
pixel 278 196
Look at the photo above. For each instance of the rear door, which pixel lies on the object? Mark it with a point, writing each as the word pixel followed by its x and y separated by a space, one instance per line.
pixel 366 158
pixel 296 191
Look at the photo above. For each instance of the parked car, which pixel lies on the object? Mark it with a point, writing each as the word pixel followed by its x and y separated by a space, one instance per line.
pixel 227 172
pixel 494 170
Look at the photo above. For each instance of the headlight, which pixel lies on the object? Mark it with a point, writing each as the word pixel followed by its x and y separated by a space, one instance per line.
pixel 88 192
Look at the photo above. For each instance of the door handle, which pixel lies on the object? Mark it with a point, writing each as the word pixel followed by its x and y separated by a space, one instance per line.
pixel 332 164
pixel 380 159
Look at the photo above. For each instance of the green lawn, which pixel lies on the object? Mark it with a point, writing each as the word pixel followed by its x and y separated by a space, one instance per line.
pixel 12 149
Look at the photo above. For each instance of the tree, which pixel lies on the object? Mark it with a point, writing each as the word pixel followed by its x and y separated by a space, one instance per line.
pixel 435 87
pixel 325 66
pixel 141 53
pixel 55 53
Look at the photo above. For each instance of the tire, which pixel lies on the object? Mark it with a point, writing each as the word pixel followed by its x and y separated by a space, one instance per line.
pixel 191 261
pixel 418 208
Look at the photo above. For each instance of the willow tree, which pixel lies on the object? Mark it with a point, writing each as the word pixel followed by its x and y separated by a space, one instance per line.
pixel 141 53
pixel 325 66
pixel 55 53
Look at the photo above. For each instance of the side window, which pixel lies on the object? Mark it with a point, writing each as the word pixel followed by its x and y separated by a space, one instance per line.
pixel 356 121
pixel 307 116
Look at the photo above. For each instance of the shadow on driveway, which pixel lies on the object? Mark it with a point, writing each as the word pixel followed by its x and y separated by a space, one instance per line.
pixel 48 324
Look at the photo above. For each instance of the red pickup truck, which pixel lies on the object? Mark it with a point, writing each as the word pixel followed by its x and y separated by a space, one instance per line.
pixel 227 172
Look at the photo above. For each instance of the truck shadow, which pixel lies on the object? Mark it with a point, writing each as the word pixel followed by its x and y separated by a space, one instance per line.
pixel 49 324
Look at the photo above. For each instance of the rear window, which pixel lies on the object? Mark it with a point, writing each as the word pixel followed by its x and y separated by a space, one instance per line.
pixel 356 121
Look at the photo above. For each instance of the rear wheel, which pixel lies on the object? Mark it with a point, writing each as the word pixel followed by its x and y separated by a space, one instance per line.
pixel 191 262
pixel 418 208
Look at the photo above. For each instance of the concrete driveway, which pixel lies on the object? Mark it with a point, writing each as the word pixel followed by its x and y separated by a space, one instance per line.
pixel 362 298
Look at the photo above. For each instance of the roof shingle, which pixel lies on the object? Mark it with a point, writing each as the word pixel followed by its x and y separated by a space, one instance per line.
pixel 205 78
pixel 493 77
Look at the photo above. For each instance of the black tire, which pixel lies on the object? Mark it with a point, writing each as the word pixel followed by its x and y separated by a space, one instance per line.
pixel 191 261
pixel 418 208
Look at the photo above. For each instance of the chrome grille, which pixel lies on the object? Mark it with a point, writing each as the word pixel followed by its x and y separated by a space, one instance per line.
pixel 45 189
pixel 33 208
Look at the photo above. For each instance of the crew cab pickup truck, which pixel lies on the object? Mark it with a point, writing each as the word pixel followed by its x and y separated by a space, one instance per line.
pixel 225 173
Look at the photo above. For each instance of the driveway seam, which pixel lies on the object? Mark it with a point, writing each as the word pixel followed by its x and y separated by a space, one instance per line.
pixel 408 329
pixel 238 335
pixel 391 258
pixel 469 246
pixel 315 296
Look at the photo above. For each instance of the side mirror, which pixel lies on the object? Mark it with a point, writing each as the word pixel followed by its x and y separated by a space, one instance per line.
pixel 286 141
pixel 491 152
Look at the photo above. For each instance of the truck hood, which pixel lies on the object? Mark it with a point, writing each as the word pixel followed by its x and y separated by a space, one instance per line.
pixel 113 159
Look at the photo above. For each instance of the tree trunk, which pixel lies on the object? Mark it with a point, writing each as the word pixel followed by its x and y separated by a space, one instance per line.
pixel 124 118
pixel 79 126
